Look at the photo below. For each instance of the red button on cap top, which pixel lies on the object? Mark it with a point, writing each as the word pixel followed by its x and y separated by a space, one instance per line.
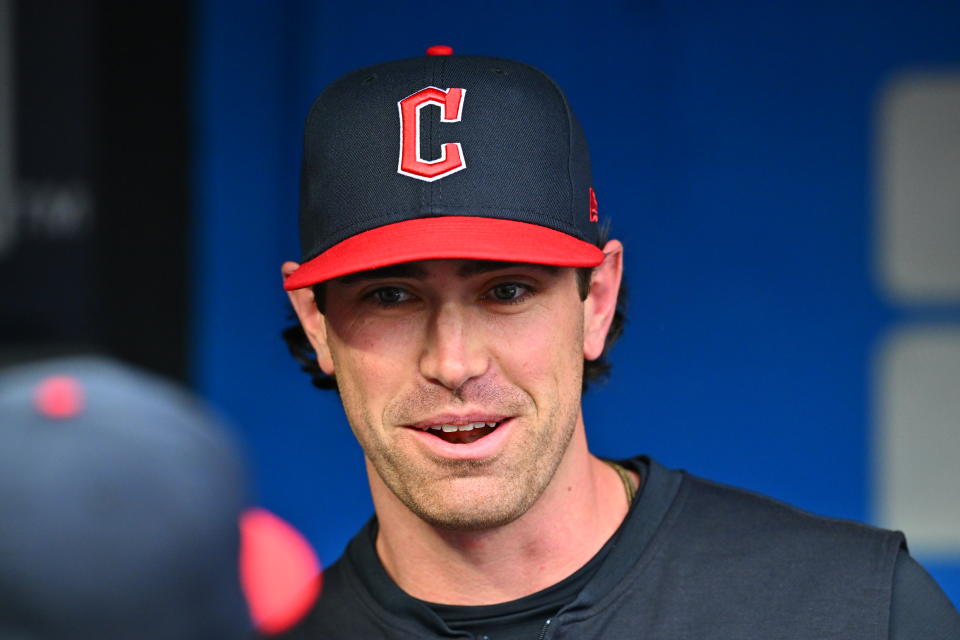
pixel 439 50
pixel 59 397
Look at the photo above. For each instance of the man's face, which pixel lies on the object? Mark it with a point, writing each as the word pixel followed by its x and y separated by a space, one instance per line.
pixel 491 349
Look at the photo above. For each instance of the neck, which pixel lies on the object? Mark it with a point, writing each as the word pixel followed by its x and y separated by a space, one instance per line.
pixel 574 517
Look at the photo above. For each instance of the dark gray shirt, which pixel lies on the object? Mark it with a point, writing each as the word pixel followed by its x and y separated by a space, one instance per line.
pixel 692 560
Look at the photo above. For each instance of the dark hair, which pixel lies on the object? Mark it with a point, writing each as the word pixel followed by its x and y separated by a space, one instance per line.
pixel 593 370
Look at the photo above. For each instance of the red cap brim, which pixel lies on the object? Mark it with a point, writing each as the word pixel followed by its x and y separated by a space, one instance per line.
pixel 453 237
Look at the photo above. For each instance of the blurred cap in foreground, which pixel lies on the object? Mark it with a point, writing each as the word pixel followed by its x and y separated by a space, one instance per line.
pixel 120 498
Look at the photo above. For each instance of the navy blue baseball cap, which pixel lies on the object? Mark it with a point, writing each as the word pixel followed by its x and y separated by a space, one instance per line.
pixel 443 156
pixel 120 497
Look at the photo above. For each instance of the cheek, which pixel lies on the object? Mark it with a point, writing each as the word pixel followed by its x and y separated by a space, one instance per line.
pixel 371 357
pixel 367 381
pixel 542 350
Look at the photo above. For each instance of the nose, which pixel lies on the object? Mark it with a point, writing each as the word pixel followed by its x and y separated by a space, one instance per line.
pixel 453 352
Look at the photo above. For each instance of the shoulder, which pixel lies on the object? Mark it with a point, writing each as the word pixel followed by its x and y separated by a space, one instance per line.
pixel 739 517
pixel 731 537
pixel 920 608
pixel 694 507
pixel 722 549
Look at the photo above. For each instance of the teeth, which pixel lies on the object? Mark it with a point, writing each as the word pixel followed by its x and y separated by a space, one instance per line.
pixel 462 427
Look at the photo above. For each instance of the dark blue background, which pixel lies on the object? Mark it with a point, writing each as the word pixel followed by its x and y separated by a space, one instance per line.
pixel 732 146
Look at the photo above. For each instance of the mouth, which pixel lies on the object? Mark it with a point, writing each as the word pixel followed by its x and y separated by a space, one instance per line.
pixel 460 433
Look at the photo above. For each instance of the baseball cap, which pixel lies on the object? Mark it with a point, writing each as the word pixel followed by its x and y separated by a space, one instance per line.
pixel 443 156
pixel 120 496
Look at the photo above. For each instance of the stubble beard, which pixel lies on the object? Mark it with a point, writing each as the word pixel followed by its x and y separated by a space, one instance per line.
pixel 470 495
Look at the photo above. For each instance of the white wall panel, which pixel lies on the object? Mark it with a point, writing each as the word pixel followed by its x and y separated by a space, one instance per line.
pixel 918 182
pixel 917 449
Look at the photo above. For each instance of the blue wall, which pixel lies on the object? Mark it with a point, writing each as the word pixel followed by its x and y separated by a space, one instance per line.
pixel 732 150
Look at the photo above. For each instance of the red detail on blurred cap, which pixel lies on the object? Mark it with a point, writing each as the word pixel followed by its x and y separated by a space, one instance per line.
pixel 279 571
pixel 59 397
pixel 594 211
pixel 463 237
pixel 439 50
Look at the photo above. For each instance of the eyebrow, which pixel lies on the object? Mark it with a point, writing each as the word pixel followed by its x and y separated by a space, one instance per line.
pixel 476 267
pixel 406 270
pixel 416 272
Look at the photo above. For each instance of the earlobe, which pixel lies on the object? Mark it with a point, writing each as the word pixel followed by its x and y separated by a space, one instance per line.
pixel 601 302
pixel 312 321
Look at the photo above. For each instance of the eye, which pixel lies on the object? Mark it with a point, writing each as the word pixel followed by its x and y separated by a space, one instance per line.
pixel 509 292
pixel 388 296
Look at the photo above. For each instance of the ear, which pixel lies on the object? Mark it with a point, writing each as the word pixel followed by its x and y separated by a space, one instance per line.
pixel 312 321
pixel 601 302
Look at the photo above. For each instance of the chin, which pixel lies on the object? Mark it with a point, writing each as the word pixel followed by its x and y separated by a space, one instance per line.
pixel 469 510
pixel 469 519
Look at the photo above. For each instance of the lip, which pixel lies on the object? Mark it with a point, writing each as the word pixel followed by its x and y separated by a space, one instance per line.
pixel 486 447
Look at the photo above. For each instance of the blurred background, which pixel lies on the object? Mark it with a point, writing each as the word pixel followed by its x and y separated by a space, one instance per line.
pixel 785 177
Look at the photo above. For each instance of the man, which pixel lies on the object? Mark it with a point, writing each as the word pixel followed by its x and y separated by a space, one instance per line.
pixel 456 291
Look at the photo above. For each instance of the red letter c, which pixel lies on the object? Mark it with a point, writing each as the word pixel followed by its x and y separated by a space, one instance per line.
pixel 451 159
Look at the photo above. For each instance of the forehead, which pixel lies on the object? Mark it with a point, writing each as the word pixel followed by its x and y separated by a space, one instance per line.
pixel 424 269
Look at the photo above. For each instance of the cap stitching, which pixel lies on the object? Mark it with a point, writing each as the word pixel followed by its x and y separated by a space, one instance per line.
pixel 425 188
pixel 467 207
pixel 434 124
pixel 436 187
pixel 347 232
pixel 569 113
